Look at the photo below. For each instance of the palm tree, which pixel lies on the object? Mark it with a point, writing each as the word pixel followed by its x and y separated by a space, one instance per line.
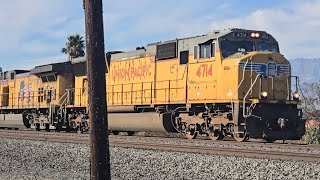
pixel 74 47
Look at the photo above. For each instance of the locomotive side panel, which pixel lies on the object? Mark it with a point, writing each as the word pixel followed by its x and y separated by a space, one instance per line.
pixel 170 82
pixel 18 92
pixel 4 95
pixel 35 92
pixel 64 83
pixel 141 81
pixel 130 81
pixel 228 81
pixel 81 91
pixel 202 81
pixel 25 93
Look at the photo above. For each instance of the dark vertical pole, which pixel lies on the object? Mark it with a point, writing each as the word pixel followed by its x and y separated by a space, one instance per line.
pixel 96 65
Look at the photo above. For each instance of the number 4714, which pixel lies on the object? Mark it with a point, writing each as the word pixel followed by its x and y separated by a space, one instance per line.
pixel 204 70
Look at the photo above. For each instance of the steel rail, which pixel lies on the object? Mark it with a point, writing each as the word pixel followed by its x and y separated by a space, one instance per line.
pixel 292 145
pixel 242 152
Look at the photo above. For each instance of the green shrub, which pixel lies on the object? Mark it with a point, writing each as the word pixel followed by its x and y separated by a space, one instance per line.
pixel 312 135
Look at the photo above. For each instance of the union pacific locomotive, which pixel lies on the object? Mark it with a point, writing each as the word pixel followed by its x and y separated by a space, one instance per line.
pixel 231 82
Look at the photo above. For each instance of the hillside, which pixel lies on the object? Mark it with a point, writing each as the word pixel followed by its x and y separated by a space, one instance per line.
pixel 307 69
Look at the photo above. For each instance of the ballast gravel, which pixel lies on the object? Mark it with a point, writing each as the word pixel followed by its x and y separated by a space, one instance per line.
pixel 26 159
pixel 219 145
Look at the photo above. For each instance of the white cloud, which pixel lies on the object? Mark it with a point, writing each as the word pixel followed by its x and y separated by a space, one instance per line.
pixel 36 47
pixel 35 28
pixel 18 17
pixel 291 28
pixel 224 6
pixel 39 28
pixel 295 26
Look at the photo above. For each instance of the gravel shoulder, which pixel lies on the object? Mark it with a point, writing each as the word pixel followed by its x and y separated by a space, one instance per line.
pixel 21 159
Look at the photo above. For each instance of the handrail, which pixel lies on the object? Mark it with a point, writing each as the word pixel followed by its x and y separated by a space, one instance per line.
pixel 243 73
pixel 298 89
pixel 244 98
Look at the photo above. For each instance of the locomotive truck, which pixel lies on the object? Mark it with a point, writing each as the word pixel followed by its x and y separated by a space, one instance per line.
pixel 232 82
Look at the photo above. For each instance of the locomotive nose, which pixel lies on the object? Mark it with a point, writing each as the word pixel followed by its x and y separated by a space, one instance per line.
pixel 269 65
pixel 268 74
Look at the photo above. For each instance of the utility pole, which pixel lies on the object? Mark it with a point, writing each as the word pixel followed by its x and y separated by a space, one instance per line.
pixel 96 70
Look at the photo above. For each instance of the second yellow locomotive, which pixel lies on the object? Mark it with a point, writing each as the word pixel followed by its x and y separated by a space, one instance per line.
pixel 232 82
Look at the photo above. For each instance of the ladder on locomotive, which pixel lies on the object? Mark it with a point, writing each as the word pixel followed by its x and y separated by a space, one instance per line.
pixel 58 112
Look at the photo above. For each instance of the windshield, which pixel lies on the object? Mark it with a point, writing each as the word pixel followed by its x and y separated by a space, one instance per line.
pixel 269 47
pixel 230 47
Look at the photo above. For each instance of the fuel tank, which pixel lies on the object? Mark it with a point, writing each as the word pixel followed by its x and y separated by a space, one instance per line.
pixel 149 121
pixel 11 121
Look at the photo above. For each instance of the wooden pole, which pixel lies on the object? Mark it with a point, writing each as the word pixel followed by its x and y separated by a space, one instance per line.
pixel 96 68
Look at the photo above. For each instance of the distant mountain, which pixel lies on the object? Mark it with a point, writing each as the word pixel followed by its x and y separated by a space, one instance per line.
pixel 307 69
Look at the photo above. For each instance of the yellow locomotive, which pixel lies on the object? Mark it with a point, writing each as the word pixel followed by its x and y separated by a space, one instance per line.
pixel 30 98
pixel 232 82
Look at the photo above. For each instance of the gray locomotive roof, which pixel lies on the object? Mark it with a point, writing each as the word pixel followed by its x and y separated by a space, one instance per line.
pixel 151 48
pixel 188 43
pixel 212 35
pixel 61 67
pixel 79 60
pixel 129 54
pixel 183 44
pixel 22 75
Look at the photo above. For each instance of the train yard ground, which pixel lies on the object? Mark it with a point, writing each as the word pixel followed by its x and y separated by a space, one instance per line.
pixel 50 155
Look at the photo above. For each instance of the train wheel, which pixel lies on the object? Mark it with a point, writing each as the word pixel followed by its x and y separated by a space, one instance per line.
pixel 239 133
pixel 58 127
pixel 116 133
pixel 191 134
pixel 47 127
pixel 79 130
pixel 215 135
pixel 130 133
pixel 241 136
pixel 26 122
pixel 37 127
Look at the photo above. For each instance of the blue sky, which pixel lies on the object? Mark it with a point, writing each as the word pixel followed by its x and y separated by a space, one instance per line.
pixel 34 31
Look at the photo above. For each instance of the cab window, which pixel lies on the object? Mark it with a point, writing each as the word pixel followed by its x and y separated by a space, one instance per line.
pixel 229 48
pixel 267 47
pixel 195 52
pixel 207 50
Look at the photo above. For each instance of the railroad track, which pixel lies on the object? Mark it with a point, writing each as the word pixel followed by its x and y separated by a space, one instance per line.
pixel 293 145
pixel 184 145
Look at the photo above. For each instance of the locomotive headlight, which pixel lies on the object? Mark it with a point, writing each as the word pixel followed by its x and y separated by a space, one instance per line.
pixel 264 94
pixel 255 35
pixel 296 95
